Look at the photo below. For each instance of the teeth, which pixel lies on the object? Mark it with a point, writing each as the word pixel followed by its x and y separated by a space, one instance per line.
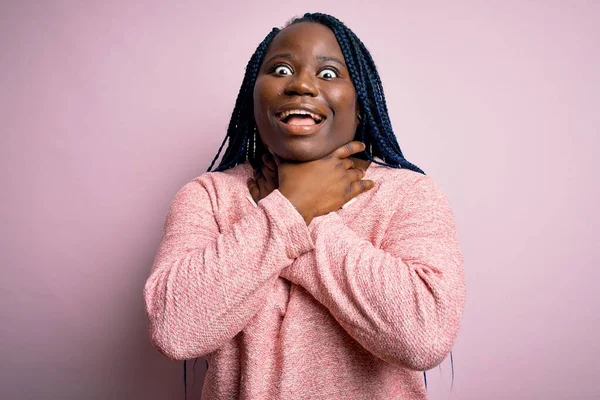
pixel 287 113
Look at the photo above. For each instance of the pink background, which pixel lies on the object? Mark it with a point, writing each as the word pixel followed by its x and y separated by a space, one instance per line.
pixel 107 108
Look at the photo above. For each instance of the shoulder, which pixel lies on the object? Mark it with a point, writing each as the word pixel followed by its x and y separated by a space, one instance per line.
pixel 215 185
pixel 405 188
pixel 220 180
pixel 394 180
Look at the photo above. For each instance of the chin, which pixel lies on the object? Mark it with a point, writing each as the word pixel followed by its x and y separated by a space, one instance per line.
pixel 302 155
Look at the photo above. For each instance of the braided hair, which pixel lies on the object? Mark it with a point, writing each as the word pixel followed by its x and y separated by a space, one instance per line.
pixel 374 128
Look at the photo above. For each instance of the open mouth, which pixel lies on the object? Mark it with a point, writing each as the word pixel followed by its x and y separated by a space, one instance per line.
pixel 300 118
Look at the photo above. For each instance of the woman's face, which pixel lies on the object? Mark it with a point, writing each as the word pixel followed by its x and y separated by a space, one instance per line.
pixel 305 104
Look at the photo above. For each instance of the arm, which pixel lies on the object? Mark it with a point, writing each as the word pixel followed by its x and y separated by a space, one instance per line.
pixel 402 302
pixel 206 285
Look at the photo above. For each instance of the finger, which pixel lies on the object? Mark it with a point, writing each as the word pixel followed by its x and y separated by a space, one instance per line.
pixel 253 188
pixel 261 180
pixel 355 174
pixel 348 149
pixel 258 177
pixel 252 185
pixel 361 186
pixel 348 163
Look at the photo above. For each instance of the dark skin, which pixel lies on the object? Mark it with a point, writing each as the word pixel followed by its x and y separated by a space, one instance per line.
pixel 304 68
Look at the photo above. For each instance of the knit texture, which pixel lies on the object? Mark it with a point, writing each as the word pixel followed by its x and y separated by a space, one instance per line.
pixel 350 307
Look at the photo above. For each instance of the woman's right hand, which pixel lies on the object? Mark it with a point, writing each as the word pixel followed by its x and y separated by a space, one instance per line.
pixel 319 187
pixel 265 179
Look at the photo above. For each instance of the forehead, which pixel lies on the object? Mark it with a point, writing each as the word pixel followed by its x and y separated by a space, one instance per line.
pixel 306 38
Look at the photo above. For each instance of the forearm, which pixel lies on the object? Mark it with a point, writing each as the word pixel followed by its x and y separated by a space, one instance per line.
pixel 403 302
pixel 199 297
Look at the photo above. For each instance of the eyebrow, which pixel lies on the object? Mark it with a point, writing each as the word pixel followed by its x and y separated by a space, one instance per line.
pixel 290 57
pixel 327 58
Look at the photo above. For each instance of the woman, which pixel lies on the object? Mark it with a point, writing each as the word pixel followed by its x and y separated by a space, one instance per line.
pixel 316 262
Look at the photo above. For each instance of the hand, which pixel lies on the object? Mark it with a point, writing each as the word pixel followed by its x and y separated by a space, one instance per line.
pixel 265 180
pixel 319 187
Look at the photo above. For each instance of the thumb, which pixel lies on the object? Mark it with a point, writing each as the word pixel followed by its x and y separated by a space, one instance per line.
pixel 253 189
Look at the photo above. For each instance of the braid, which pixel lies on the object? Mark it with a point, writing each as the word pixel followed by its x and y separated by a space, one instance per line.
pixel 374 128
pixel 241 133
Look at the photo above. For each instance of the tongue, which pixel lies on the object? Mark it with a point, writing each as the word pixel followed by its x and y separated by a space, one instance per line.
pixel 304 120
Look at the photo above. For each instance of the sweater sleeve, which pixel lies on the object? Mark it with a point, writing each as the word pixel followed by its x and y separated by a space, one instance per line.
pixel 206 285
pixel 403 302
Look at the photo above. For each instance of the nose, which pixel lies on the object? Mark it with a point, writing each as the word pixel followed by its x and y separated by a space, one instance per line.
pixel 302 84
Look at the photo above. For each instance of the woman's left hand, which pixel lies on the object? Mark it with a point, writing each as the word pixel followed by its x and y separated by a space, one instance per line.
pixel 265 180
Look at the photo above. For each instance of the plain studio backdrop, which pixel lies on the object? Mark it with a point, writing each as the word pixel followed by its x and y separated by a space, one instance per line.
pixel 108 108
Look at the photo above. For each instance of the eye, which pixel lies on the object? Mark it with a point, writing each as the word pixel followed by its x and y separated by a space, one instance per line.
pixel 328 73
pixel 282 70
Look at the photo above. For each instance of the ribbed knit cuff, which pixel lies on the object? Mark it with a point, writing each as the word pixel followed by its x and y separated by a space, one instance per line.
pixel 284 215
pixel 325 222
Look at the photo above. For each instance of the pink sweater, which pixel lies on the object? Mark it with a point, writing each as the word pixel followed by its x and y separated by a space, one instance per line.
pixel 350 307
